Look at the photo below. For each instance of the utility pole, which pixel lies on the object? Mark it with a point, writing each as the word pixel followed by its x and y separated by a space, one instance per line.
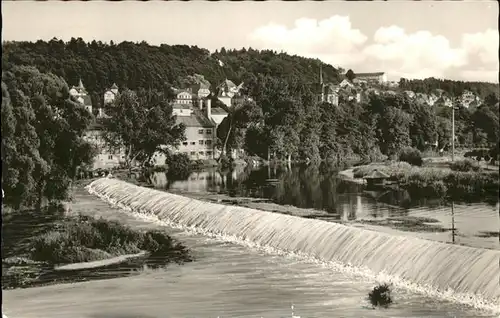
pixel 453 222
pixel 453 131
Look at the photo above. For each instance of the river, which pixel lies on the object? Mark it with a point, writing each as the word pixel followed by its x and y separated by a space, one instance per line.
pixel 226 280
pixel 475 224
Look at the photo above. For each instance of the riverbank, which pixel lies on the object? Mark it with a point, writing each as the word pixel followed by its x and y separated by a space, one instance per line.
pixel 54 245
pixel 461 180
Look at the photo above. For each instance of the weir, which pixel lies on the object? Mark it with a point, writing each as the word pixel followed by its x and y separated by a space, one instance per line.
pixel 448 269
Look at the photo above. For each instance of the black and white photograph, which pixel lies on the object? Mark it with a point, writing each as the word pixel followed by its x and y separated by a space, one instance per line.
pixel 250 159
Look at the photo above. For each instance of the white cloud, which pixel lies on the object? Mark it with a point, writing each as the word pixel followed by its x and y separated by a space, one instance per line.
pixel 419 54
pixel 333 40
pixel 480 75
pixel 483 44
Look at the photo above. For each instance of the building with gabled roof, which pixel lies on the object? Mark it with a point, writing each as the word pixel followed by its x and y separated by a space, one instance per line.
pixel 326 92
pixel 106 157
pixel 80 94
pixel 183 96
pixel 110 94
pixel 200 133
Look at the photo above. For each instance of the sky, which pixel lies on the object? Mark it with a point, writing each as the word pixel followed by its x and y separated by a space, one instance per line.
pixel 446 39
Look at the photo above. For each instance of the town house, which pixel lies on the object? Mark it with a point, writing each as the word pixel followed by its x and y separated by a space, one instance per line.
pixel 110 94
pixel 81 95
pixel 106 158
pixel 200 132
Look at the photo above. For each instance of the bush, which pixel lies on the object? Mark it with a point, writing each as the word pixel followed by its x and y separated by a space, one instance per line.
pixel 163 168
pixel 179 166
pixel 465 165
pixel 394 169
pixel 380 296
pixel 84 239
pixel 225 162
pixel 197 164
pixel 412 156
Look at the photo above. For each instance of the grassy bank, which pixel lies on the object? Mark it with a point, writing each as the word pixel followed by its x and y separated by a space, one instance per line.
pixel 68 240
pixel 84 239
pixel 459 180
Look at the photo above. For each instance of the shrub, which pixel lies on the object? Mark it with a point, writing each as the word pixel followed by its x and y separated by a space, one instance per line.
pixel 412 156
pixel 225 162
pixel 465 165
pixel 163 168
pixel 179 166
pixel 84 239
pixel 380 296
pixel 197 164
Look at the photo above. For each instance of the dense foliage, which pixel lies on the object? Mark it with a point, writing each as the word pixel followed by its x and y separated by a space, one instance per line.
pixel 452 88
pixel 140 65
pixel 142 123
pixel 179 166
pixel 284 119
pixel 465 165
pixel 42 136
pixel 412 156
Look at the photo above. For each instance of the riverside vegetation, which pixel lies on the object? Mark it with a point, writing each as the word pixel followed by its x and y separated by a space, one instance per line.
pixel 59 240
pixel 284 119
pixel 458 180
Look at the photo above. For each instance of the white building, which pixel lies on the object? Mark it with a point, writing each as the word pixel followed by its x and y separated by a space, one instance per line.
pixel 81 95
pixel 110 94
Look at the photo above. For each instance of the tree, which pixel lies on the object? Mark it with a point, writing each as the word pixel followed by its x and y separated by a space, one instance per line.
pixel 486 120
pixel 423 128
pixel 309 148
pixel 20 156
pixel 350 75
pixel 394 130
pixel 143 124
pixel 443 132
pixel 491 99
pixel 233 128
pixel 52 146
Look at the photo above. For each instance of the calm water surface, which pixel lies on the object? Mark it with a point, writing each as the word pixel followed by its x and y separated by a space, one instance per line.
pixel 321 188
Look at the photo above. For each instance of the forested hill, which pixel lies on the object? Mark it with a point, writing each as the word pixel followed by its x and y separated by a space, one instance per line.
pixel 453 88
pixel 135 65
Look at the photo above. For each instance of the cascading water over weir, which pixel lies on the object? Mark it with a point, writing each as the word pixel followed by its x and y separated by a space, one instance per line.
pixel 464 274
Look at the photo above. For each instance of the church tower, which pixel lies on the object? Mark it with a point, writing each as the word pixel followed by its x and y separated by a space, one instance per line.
pixel 321 84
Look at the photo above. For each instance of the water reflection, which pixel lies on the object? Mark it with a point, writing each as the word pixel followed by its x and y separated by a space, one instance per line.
pixel 304 186
pixel 319 187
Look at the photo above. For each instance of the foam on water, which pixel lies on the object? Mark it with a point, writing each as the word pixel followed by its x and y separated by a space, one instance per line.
pixel 463 274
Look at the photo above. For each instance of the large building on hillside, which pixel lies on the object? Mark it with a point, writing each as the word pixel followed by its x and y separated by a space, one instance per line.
pixel 372 78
